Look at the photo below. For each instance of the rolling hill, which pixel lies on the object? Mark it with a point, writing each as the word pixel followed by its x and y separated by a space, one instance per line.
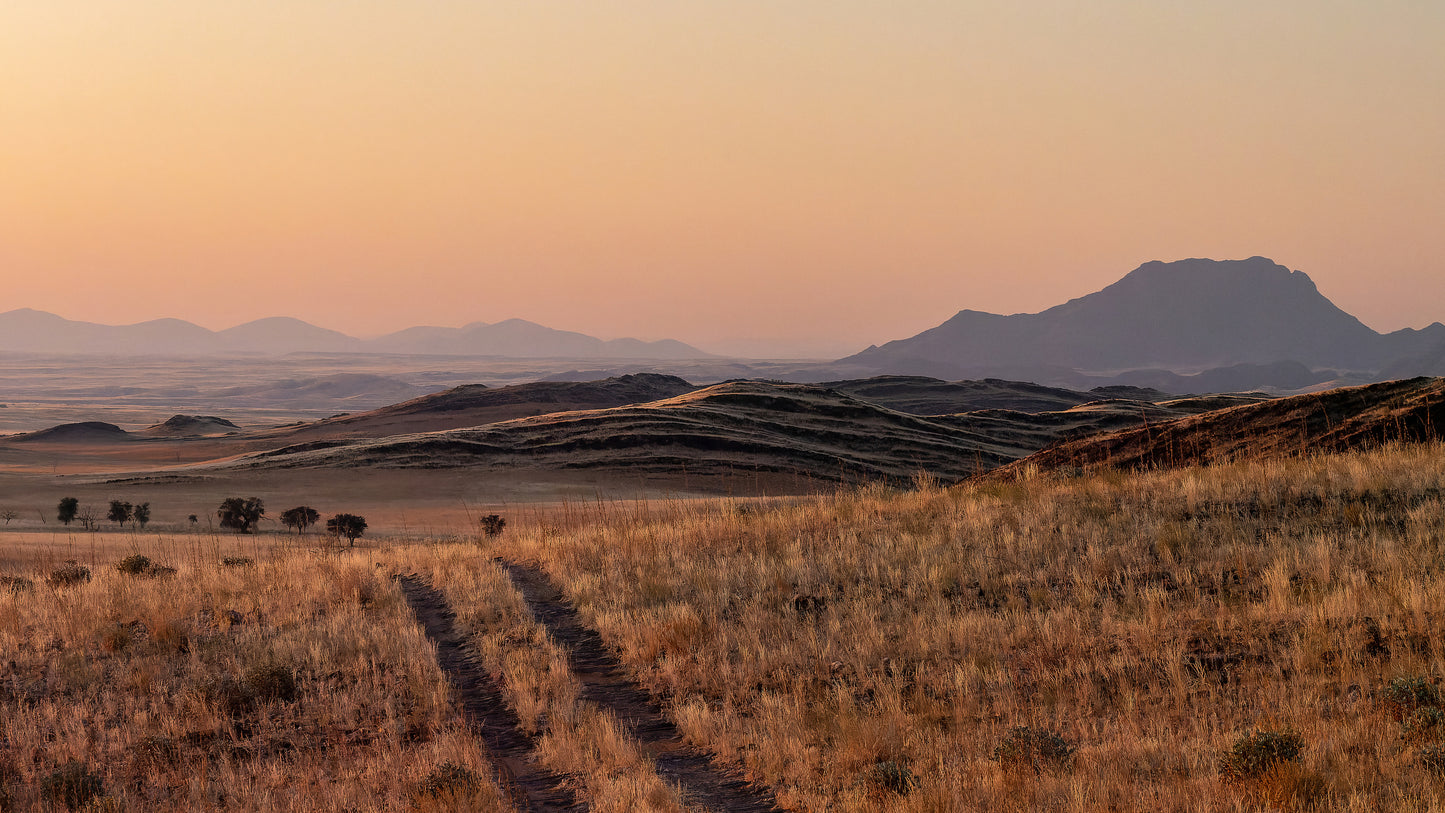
pixel 1411 410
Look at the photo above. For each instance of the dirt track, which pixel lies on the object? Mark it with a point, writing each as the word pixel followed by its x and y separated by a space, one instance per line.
pixel 529 786
pixel 606 683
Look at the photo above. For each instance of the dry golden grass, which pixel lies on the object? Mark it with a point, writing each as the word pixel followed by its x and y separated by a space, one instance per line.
pixel 160 687
pixel 874 650
pixel 836 645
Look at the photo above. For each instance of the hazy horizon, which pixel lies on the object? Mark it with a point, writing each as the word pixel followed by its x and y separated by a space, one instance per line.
pixel 809 176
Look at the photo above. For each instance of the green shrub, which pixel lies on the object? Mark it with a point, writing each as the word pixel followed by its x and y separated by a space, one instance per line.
pixel 1025 747
pixel 73 785
pixel 1402 696
pixel 1258 751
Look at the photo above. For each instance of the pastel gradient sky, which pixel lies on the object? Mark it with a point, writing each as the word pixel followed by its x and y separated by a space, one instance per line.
pixel 810 177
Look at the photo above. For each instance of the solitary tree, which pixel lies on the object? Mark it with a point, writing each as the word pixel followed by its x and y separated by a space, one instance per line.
pixel 348 525
pixel 142 514
pixel 241 514
pixel 493 524
pixel 9 514
pixel 120 512
pixel 301 517
pixel 66 511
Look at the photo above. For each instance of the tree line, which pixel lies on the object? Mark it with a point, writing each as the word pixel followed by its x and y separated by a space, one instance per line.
pixel 240 514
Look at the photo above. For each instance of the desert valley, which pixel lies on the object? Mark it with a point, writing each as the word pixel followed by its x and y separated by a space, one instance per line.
pixel 1116 555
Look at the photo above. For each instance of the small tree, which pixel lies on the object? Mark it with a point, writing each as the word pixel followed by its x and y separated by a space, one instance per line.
pixel 241 514
pixel 87 518
pixel 66 511
pixel 493 525
pixel 142 514
pixel 9 514
pixel 120 512
pixel 301 517
pixel 348 525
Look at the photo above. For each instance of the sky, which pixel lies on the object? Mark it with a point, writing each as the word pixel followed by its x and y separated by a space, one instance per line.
pixel 766 177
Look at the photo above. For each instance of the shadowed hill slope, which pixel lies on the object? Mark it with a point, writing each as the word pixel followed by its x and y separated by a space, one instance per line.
pixel 746 426
pixel 792 429
pixel 920 395
pixel 1411 410
pixel 476 404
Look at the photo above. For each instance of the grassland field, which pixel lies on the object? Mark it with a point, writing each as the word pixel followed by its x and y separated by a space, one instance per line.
pixel 1255 635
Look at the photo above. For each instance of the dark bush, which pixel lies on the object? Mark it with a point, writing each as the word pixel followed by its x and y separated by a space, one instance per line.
pixel 134 565
pixel 1025 747
pixel 493 525
pixel 16 584
pixel 73 785
pixel 238 561
pixel 1258 751
pixel 1427 722
pixel 892 776
pixel 71 573
pixel 1402 696
pixel 446 788
pixel 271 682
pixel 1432 759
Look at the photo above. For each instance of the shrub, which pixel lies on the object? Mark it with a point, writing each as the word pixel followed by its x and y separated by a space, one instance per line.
pixel 237 561
pixel 493 525
pixel 446 786
pixel 16 584
pixel 1432 759
pixel 1402 696
pixel 1426 722
pixel 892 776
pixel 1025 747
pixel 71 573
pixel 134 565
pixel 1257 752
pixel 271 682
pixel 73 785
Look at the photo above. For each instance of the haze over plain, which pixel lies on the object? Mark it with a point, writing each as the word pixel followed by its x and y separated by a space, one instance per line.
pixel 755 178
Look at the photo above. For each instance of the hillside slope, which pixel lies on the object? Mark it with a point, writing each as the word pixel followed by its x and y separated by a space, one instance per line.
pixel 1411 410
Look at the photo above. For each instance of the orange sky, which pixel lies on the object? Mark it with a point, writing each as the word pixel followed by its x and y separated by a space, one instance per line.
pixel 812 176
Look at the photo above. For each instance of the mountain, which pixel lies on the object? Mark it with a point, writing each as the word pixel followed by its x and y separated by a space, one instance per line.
pixel 278 335
pixel 1182 316
pixel 518 338
pixel 31 331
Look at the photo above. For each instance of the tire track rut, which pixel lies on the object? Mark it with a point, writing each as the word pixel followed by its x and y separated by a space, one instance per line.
pixel 529 786
pixel 606 683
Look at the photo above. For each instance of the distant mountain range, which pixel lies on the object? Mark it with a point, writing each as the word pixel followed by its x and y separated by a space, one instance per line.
pixel 32 331
pixel 1229 322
